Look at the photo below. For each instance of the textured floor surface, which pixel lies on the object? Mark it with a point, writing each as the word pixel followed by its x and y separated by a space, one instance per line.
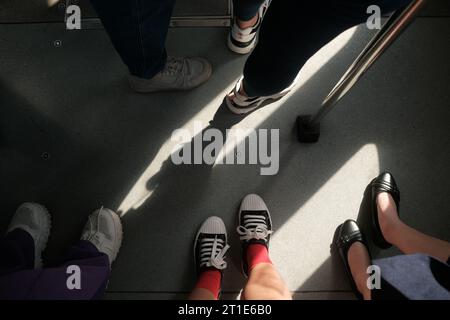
pixel 74 137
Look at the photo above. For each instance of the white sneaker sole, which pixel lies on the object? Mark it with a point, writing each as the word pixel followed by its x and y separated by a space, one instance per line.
pixel 241 50
pixel 119 235
pixel 38 263
pixel 263 102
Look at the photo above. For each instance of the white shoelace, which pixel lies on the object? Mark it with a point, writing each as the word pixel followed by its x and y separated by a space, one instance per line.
pixel 212 253
pixel 95 236
pixel 254 228
pixel 173 65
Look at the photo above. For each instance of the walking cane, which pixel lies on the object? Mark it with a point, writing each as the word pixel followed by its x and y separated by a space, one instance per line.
pixel 308 127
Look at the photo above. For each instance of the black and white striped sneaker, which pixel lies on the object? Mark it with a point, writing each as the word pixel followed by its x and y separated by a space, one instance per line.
pixel 243 41
pixel 239 103
pixel 255 225
pixel 211 245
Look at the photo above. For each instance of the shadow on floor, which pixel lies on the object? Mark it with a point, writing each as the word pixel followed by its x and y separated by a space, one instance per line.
pixel 100 161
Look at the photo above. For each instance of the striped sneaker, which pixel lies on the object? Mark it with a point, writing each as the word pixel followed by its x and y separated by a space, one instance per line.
pixel 243 41
pixel 255 225
pixel 211 245
pixel 239 103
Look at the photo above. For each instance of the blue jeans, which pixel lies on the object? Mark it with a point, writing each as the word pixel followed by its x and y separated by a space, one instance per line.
pixel 138 30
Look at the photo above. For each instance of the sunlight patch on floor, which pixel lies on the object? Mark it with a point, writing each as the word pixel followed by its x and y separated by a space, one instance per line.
pixel 139 193
pixel 311 227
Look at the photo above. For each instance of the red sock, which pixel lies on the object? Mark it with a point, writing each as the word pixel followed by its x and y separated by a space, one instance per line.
pixel 210 279
pixel 257 253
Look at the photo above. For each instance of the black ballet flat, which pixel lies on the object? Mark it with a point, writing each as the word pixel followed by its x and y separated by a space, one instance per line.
pixel 385 182
pixel 347 234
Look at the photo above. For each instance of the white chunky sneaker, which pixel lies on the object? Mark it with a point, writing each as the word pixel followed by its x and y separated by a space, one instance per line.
pixel 255 225
pixel 211 245
pixel 104 231
pixel 243 41
pixel 239 103
pixel 179 73
pixel 34 219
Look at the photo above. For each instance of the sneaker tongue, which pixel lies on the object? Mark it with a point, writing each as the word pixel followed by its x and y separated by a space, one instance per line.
pixel 257 241
pixel 104 228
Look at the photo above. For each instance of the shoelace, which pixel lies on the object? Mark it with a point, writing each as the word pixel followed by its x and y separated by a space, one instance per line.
pixel 173 66
pixel 212 253
pixel 95 235
pixel 254 227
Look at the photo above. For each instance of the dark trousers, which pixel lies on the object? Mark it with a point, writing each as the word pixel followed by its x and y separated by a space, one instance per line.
pixel 293 31
pixel 138 30
pixel 19 279
pixel 246 9
pixel 413 277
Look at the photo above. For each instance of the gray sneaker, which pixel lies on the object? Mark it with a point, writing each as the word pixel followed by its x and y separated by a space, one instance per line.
pixel 104 231
pixel 179 73
pixel 34 219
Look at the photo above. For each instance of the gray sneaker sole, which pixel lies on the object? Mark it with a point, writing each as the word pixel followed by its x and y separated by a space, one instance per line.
pixel 119 235
pixel 141 85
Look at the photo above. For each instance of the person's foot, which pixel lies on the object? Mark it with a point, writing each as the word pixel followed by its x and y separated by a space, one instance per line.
pixel 255 226
pixel 359 260
pixel 179 73
pixel 240 103
pixel 388 216
pixel 352 248
pixel 35 220
pixel 210 245
pixel 104 231
pixel 385 197
pixel 243 36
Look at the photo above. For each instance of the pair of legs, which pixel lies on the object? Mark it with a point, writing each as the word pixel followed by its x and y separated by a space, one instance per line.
pixel 138 31
pixel 291 33
pixel 264 282
pixel 89 260
pixel 399 234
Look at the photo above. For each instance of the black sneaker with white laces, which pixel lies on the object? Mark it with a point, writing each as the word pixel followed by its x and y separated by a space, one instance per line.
pixel 211 245
pixel 255 225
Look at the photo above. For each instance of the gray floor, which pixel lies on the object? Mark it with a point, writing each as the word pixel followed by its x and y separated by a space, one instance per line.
pixel 74 137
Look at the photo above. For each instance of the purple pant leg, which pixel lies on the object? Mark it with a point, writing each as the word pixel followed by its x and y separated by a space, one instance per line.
pixel 51 283
pixel 16 252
